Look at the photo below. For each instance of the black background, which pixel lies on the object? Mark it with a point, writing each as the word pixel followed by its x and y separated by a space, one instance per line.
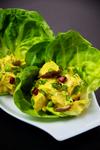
pixel 61 15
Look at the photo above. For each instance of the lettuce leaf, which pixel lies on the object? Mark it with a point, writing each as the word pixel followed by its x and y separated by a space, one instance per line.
pixel 70 49
pixel 36 54
pixel 20 29
pixel 22 94
pixel 25 80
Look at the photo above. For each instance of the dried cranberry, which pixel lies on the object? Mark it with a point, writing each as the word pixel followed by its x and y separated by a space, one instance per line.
pixel 62 79
pixel 35 91
pixel 12 80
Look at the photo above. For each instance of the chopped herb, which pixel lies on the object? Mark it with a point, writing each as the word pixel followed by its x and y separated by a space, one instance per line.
pixel 50 104
pixel 42 82
pixel 69 98
pixel 76 89
pixel 57 86
pixel 64 87
pixel 7 68
pixel 43 92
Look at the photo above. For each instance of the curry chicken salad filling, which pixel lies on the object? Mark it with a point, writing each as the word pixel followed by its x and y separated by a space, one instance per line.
pixel 9 67
pixel 58 91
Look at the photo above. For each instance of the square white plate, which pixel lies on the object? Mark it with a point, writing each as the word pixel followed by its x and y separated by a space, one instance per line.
pixel 60 129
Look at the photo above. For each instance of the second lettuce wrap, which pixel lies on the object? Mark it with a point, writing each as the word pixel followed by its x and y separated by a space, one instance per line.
pixel 76 58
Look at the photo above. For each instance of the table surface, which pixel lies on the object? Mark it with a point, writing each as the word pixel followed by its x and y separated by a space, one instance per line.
pixel 61 15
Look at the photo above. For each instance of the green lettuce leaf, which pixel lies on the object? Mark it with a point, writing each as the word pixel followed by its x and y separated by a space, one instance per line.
pixel 25 81
pixel 22 95
pixel 36 54
pixel 70 49
pixel 20 29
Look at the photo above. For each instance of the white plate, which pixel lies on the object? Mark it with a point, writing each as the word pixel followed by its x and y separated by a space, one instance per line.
pixel 60 129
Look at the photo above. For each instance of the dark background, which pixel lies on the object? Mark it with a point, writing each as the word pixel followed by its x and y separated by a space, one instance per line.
pixel 61 15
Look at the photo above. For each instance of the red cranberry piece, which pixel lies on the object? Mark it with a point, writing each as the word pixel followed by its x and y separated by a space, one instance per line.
pixel 62 79
pixel 12 80
pixel 35 91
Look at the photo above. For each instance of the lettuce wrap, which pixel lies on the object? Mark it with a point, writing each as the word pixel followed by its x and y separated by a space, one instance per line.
pixel 68 71
pixel 19 30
